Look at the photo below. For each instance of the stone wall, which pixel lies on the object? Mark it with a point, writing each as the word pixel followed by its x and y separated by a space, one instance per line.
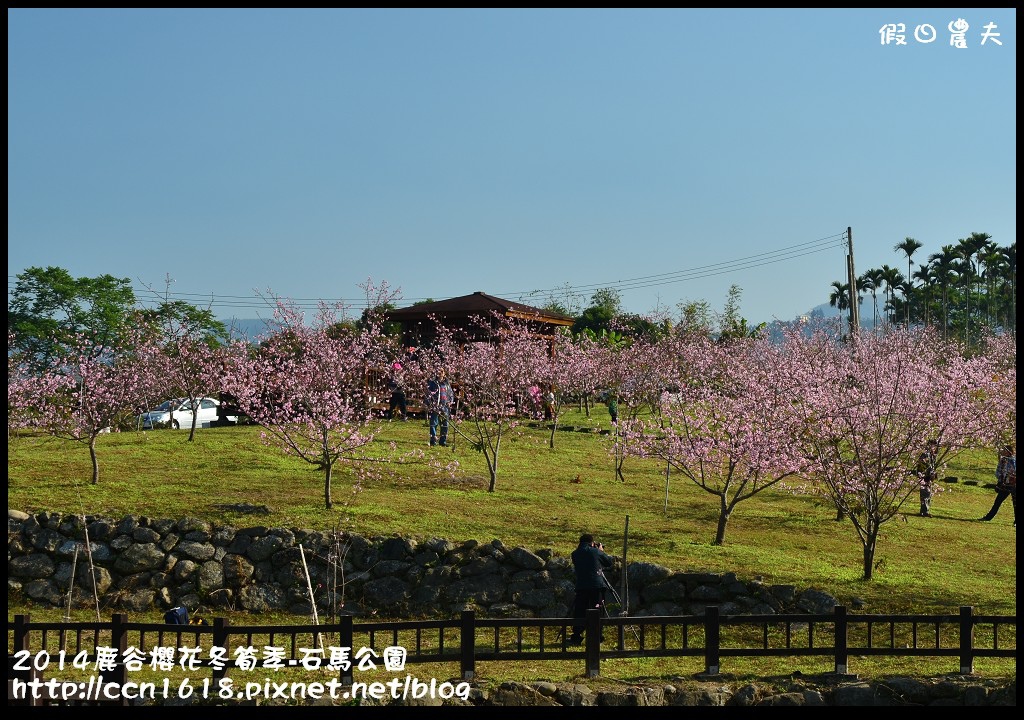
pixel 792 691
pixel 143 565
pixel 789 691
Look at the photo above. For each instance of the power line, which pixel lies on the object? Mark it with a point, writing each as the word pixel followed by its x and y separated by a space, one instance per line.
pixel 753 261
pixel 771 257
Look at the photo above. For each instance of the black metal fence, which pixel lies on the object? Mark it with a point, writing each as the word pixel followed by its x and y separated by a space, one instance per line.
pixel 117 647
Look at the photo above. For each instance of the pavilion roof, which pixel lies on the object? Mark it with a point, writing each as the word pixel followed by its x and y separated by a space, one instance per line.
pixel 478 303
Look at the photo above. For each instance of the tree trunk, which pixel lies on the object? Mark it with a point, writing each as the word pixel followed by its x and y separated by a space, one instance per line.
pixel 492 462
pixel 95 461
pixel 327 486
pixel 723 522
pixel 869 555
pixel 840 511
pixel 492 470
pixel 668 469
pixel 620 453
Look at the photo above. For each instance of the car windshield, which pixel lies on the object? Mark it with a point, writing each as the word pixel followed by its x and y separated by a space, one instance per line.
pixel 177 405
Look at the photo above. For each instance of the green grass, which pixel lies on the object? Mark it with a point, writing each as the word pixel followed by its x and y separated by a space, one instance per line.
pixel 923 565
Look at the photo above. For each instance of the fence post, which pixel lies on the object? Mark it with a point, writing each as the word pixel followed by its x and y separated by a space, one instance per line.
pixel 966 640
pixel 119 641
pixel 346 638
pixel 220 639
pixel 712 640
pixel 21 642
pixel 21 632
pixel 593 642
pixel 467 644
pixel 841 642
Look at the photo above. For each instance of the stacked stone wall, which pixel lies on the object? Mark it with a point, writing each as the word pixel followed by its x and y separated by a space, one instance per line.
pixel 145 565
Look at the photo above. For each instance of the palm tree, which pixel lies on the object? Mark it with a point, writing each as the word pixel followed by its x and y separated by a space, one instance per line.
pixel 964 269
pixel 906 287
pixel 840 297
pixel 864 284
pixel 992 261
pixel 892 279
pixel 1009 280
pixel 908 247
pixel 924 275
pixel 872 280
pixel 967 248
pixel 943 270
pixel 944 283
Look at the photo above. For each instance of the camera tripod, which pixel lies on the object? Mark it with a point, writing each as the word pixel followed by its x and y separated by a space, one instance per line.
pixel 604 606
pixel 618 600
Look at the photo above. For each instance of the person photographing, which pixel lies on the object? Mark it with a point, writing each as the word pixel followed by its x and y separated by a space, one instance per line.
pixel 1006 481
pixel 588 561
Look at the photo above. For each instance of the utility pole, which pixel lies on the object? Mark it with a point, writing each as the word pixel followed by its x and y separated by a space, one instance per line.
pixel 851 276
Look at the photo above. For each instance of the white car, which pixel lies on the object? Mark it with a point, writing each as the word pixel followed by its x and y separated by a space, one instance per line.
pixel 177 414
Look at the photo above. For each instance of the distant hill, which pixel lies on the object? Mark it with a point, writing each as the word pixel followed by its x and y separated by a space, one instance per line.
pixel 822 311
pixel 246 328
pixel 825 311
pixel 817 314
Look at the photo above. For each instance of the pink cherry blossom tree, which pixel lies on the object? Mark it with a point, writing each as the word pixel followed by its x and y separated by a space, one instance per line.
pixel 635 375
pixel 189 362
pixel 999 406
pixel 307 386
pixel 20 410
pixel 572 371
pixel 489 375
pixel 727 426
pixel 868 410
pixel 92 391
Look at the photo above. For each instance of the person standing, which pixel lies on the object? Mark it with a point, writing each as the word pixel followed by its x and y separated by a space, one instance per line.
pixel 549 403
pixel 613 406
pixel 926 473
pixel 588 561
pixel 438 402
pixel 1006 481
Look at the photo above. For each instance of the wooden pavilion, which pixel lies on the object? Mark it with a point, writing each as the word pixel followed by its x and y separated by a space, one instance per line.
pixel 418 322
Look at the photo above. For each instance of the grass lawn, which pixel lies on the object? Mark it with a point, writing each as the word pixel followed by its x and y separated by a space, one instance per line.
pixel 544 498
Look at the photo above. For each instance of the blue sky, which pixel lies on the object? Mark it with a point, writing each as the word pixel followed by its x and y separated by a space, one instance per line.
pixel 524 153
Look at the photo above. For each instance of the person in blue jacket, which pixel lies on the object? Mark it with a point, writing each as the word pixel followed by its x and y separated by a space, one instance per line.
pixel 438 400
pixel 589 561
